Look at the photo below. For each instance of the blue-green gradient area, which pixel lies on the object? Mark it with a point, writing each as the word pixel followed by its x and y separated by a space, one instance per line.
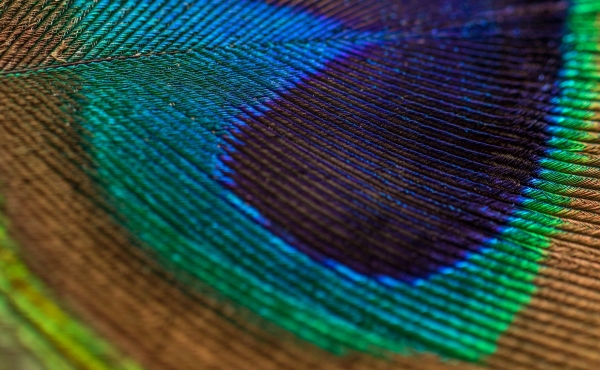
pixel 109 29
pixel 154 125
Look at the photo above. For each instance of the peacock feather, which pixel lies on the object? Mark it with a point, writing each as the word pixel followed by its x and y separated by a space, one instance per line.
pixel 299 184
